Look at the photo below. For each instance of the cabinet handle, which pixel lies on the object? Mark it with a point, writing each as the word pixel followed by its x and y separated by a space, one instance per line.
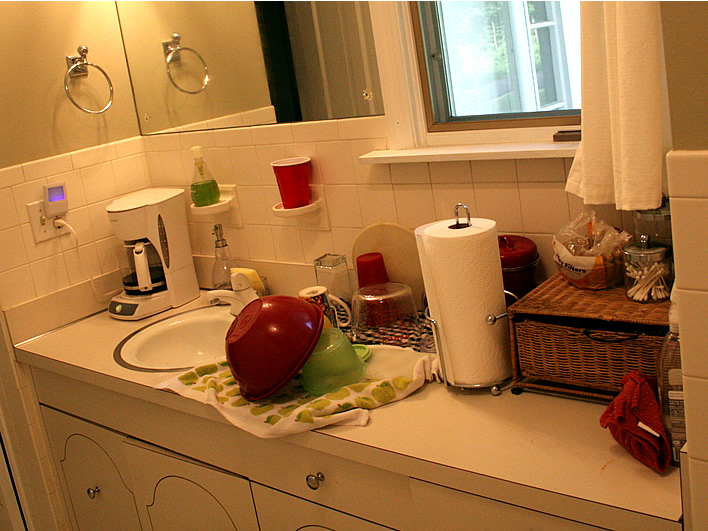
pixel 92 492
pixel 313 480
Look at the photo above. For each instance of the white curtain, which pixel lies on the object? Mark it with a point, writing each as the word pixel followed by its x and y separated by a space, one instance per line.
pixel 625 136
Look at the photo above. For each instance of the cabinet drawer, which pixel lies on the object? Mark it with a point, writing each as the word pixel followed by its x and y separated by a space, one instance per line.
pixel 433 504
pixel 278 511
pixel 361 490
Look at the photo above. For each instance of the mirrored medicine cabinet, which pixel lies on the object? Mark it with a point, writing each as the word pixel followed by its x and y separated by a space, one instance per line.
pixel 248 63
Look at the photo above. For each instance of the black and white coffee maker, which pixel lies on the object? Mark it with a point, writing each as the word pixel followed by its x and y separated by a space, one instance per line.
pixel 157 267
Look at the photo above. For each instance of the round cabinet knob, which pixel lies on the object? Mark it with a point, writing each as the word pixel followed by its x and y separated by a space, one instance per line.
pixel 92 492
pixel 313 480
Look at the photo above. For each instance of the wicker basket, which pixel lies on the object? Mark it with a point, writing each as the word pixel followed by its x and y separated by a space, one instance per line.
pixel 578 342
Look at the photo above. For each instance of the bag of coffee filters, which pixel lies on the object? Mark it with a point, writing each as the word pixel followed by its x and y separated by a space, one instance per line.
pixel 588 252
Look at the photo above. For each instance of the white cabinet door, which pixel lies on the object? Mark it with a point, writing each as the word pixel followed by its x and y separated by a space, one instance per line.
pixel 278 511
pixel 175 493
pixel 92 472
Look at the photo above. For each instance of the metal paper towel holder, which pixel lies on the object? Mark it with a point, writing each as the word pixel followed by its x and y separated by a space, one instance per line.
pixel 494 389
pixel 457 224
pixel 491 319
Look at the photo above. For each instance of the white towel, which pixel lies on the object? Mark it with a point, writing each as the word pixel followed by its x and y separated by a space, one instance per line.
pixel 626 136
pixel 392 374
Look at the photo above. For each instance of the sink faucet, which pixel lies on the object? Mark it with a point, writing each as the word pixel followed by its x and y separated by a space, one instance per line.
pixel 241 295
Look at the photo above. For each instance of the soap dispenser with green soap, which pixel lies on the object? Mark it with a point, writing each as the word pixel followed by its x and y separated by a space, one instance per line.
pixel 221 272
pixel 205 190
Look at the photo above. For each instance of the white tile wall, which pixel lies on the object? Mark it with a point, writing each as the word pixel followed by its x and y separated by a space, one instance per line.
pixel 688 178
pixel 515 193
pixel 93 177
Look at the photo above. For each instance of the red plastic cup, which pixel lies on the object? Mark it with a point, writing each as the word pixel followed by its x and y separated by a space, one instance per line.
pixel 293 177
pixel 371 269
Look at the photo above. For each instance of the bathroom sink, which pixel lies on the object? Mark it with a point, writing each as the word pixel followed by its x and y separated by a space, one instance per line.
pixel 176 343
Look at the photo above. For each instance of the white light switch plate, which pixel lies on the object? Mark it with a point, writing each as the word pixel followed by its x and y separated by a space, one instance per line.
pixel 42 232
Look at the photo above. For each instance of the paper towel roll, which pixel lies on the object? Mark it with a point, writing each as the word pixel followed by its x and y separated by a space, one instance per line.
pixel 463 281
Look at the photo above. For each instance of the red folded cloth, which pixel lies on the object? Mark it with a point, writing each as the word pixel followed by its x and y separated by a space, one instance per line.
pixel 634 420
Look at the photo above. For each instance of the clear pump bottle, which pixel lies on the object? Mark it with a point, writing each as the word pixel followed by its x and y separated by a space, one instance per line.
pixel 221 272
pixel 671 385
pixel 204 189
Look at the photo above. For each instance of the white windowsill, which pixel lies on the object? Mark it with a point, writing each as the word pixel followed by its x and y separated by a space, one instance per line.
pixel 471 152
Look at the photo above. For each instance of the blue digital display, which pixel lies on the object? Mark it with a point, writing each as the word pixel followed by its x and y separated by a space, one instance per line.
pixel 55 193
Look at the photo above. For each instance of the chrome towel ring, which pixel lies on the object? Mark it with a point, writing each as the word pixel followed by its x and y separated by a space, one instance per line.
pixel 173 53
pixel 78 67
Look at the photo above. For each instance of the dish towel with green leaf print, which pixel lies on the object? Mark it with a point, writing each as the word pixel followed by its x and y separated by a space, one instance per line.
pixel 392 374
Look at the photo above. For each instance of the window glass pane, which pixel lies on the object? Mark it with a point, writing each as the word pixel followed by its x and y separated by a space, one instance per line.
pixel 496 60
pixel 480 73
pixel 537 12
pixel 545 68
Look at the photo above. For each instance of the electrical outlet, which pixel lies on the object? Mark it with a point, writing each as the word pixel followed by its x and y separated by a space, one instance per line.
pixel 42 228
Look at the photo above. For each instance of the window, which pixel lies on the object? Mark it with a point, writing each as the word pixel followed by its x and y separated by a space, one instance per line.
pixel 490 65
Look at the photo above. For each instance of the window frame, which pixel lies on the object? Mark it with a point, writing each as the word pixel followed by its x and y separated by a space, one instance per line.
pixel 403 97
pixel 460 124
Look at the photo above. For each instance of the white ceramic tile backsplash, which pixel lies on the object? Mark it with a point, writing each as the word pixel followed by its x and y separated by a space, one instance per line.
pixel 447 196
pixel 687 173
pixel 369 173
pixel 535 198
pixel 493 171
pixel 335 162
pixel 240 136
pixel 696 394
pixel 377 204
pixel 543 170
pixel 46 167
pixel 500 202
pixel 357 128
pixel 287 244
pixel 688 189
pixel 517 194
pixel 244 163
pixel 451 172
pixel 260 242
pixel 92 156
pixel 272 134
pixel 414 204
pixel 694 333
pixel 343 205
pixel 99 182
pixel 410 173
pixel 8 213
pixel 698 470
pixel 16 286
pixel 689 219
pixel 11 176
pixel 13 249
pixel 315 131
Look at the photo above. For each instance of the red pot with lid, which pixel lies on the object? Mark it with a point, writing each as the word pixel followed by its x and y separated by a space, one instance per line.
pixel 519 257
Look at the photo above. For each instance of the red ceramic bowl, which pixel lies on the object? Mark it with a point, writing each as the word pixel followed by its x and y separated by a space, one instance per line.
pixel 270 341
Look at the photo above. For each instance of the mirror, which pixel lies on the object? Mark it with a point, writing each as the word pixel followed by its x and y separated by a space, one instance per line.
pixel 262 62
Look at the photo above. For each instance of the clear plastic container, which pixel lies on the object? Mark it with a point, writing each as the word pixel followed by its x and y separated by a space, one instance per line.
pixel 648 271
pixel 670 379
pixel 332 272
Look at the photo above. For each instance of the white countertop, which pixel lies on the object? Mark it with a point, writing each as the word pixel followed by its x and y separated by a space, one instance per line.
pixel 549 443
